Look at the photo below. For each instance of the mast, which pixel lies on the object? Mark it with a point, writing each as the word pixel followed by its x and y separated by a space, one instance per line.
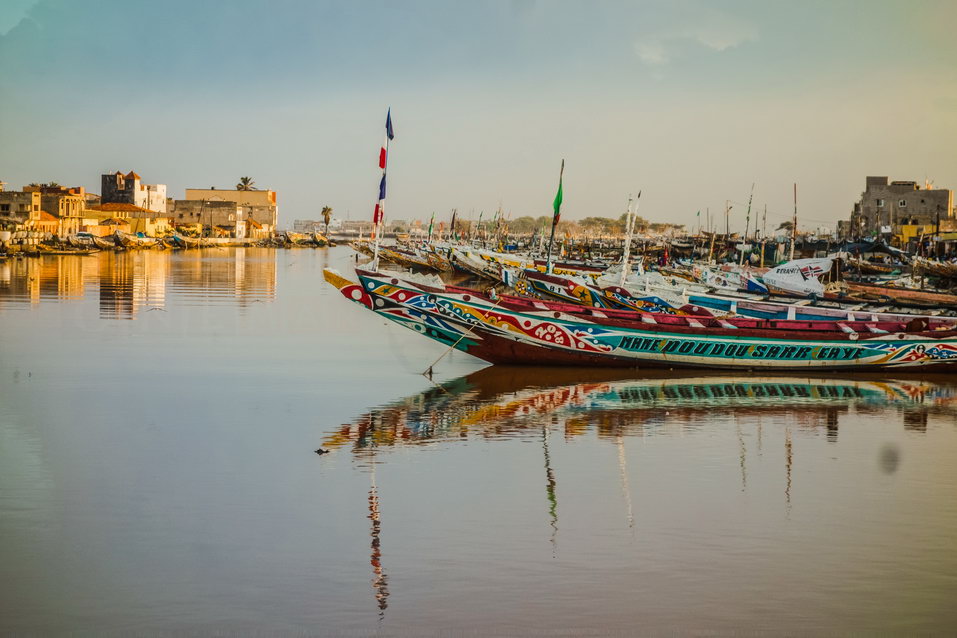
pixel 747 225
pixel 629 226
pixel 764 230
pixel 794 222
pixel 727 219
pixel 557 205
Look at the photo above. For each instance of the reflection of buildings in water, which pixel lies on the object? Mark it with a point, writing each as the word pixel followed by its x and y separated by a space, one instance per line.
pixel 116 287
pixel 131 281
pixel 245 274
pixel 32 279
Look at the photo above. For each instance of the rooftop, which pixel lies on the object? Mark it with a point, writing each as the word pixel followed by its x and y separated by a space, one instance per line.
pixel 119 207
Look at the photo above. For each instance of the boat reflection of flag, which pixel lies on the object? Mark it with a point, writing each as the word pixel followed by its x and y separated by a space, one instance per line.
pixel 789 460
pixel 380 582
pixel 623 471
pixel 550 487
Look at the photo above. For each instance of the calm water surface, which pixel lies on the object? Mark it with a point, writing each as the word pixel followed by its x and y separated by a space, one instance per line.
pixel 159 413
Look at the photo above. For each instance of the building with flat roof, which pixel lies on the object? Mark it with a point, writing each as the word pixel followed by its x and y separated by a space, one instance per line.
pixel 257 205
pixel 885 206
pixel 118 188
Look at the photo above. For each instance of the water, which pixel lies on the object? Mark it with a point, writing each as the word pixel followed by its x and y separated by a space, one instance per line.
pixel 159 413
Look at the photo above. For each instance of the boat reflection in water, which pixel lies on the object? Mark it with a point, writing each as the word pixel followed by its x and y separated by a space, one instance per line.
pixel 511 401
pixel 535 404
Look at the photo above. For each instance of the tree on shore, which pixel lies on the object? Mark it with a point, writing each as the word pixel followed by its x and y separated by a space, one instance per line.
pixel 245 184
pixel 326 216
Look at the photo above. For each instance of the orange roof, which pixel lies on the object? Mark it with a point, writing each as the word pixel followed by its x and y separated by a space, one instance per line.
pixel 118 207
pixel 132 175
pixel 47 217
pixel 113 221
pixel 254 223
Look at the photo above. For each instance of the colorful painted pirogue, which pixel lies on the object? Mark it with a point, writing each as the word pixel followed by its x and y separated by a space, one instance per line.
pixel 513 330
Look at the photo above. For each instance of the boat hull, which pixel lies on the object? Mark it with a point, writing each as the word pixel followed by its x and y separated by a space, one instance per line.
pixel 500 335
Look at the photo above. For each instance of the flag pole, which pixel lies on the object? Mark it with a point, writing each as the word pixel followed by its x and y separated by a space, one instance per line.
pixel 557 205
pixel 377 227
pixel 379 217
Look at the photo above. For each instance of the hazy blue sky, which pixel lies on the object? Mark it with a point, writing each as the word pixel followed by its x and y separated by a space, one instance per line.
pixel 689 101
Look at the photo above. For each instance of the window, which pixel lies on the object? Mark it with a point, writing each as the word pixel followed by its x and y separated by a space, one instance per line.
pixel 36 207
pixel 5 208
pixel 232 217
pixel 181 215
pixel 902 203
pixel 880 203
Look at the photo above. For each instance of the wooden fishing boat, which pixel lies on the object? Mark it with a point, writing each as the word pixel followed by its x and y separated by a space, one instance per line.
pixel 900 296
pixel 438 262
pixel 298 239
pixel 513 330
pixel 81 240
pixel 935 268
pixel 466 263
pixel 362 247
pixel 406 259
pixel 104 243
pixel 582 293
pixel 184 241
pixel 46 250
pixel 128 240
pixel 865 267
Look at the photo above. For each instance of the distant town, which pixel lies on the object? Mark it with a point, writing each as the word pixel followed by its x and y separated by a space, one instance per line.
pixel 900 212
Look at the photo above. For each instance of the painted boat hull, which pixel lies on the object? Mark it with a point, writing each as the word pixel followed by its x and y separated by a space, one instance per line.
pixel 505 335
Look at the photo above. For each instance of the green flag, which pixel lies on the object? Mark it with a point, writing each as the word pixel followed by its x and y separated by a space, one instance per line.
pixel 558 196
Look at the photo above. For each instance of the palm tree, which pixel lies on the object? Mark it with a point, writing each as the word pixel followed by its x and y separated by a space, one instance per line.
pixel 245 184
pixel 326 216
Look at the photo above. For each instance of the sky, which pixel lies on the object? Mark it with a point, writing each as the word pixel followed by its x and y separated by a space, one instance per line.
pixel 690 102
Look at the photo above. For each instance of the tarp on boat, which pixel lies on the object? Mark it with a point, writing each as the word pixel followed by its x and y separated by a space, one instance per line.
pixel 866 247
pixel 799 277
